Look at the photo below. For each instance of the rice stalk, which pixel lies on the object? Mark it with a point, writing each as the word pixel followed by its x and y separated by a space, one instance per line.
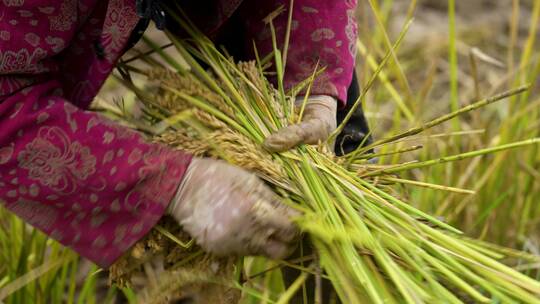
pixel 371 244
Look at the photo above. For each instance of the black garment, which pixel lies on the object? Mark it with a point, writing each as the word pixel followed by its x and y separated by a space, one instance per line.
pixel 355 131
pixel 152 10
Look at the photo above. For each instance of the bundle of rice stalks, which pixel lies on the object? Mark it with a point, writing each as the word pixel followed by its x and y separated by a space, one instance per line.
pixel 368 242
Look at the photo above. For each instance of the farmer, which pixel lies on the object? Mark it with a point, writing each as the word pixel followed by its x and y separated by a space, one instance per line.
pixel 98 187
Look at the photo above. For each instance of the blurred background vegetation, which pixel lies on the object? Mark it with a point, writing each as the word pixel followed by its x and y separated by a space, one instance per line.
pixel 446 62
pixel 455 53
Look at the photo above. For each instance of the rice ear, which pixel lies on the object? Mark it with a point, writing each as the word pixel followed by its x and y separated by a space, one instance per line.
pixel 370 243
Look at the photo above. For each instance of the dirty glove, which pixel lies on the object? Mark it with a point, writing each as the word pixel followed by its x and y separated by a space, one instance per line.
pixel 318 122
pixel 229 211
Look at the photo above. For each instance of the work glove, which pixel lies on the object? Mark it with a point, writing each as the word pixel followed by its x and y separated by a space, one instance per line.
pixel 318 122
pixel 229 211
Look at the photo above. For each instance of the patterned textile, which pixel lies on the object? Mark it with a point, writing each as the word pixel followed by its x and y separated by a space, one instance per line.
pixel 87 182
pixel 91 184
pixel 322 32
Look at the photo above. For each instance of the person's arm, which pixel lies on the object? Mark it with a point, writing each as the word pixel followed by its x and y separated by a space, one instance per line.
pixel 89 183
pixel 98 188
pixel 323 34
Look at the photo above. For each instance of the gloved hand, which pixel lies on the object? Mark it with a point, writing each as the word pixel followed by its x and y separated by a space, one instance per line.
pixel 318 122
pixel 229 211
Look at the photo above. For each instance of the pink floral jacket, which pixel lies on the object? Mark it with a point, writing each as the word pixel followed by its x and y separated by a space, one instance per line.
pixel 85 181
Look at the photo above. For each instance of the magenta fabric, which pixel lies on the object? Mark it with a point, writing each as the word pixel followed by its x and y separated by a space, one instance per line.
pixel 85 181
pixel 322 32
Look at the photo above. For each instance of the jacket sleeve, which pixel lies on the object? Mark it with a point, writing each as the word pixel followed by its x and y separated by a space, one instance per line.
pixel 322 32
pixel 85 181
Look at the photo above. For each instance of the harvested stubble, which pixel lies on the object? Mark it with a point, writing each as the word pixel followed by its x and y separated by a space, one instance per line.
pixel 372 246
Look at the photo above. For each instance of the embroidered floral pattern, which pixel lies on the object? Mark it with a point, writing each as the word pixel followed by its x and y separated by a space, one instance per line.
pixel 32 38
pixel 5 154
pixel 322 34
pixel 309 10
pixel 65 20
pixel 74 186
pixel 118 25
pixel 305 64
pixel 55 161
pixel 13 2
pixel 351 32
pixel 35 213
pixel 328 35
pixel 57 44
pixel 155 180
pixel 22 61
pixel 5 35
pixel 119 131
